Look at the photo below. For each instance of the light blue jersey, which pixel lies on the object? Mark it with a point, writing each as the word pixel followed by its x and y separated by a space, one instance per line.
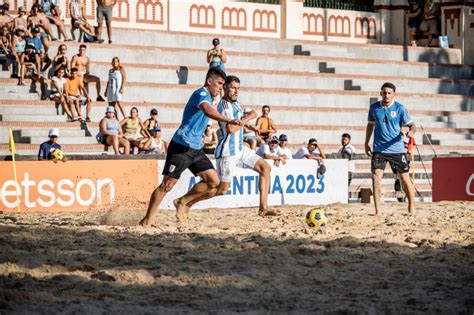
pixel 230 144
pixel 194 120
pixel 388 127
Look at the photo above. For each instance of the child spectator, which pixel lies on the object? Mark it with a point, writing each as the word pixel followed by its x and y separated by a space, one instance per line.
pixel 216 57
pixel 284 147
pixel 115 83
pixel 271 151
pixel 76 94
pixel 414 15
pixel 58 95
pixel 130 127
pixel 264 124
pixel 47 147
pixel 313 152
pixel 111 134
pixel 151 123
pixel 209 139
pixel 347 152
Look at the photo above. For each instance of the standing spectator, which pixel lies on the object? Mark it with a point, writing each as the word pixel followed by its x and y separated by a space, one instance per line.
pixel 115 83
pixel 264 124
pixel 216 57
pixel 385 120
pixel 51 10
pixel 209 139
pixel 48 147
pixel 78 20
pixel 131 126
pixel 105 9
pixel 58 94
pixel 20 21
pixel 82 63
pixel 312 152
pixel 431 16
pixel 415 16
pixel 76 94
pixel 347 152
pixel 111 134
pixel 5 18
pixel 284 147
pixel 151 122
pixel 18 47
pixel 271 151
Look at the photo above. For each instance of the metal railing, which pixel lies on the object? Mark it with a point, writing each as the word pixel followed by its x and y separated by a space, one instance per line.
pixel 353 5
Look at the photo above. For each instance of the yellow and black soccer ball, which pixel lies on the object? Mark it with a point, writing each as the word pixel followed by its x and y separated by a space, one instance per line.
pixel 57 155
pixel 317 218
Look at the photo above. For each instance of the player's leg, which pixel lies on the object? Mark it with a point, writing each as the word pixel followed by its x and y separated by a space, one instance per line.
pixel 401 165
pixel 156 197
pixel 378 167
pixel 264 169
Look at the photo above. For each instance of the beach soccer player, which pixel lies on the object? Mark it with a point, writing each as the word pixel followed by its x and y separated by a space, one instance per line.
pixel 386 119
pixel 185 149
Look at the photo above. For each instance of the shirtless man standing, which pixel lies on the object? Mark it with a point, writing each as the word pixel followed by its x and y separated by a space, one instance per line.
pixel 105 10
pixel 82 63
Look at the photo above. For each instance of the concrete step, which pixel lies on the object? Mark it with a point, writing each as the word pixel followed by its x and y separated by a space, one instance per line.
pixel 65 140
pixel 64 132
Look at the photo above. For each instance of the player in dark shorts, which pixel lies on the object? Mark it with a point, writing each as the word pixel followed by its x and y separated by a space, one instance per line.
pixel 386 119
pixel 185 150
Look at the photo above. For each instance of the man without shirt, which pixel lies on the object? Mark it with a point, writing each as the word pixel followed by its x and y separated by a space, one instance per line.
pixel 386 119
pixel 185 150
pixel 82 62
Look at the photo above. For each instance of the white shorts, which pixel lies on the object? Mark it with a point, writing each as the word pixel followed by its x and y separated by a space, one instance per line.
pixel 227 164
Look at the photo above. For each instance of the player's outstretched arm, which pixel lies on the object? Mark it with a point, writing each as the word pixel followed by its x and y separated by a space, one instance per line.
pixel 211 112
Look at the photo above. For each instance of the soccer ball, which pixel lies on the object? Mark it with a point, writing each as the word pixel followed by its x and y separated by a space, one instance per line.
pixel 58 155
pixel 316 218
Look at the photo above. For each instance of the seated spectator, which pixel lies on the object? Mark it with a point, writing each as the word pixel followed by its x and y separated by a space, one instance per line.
pixel 37 41
pixel 58 95
pixel 20 21
pixel 131 127
pixel 39 23
pixel 157 144
pixel 51 10
pixel 432 13
pixel 111 134
pixel 271 151
pixel 29 63
pixel 284 147
pixel 47 147
pixel 151 123
pixel 79 20
pixel 414 15
pixel 18 47
pixel 5 18
pixel 313 152
pixel 265 126
pixel 115 85
pixel 216 57
pixel 347 152
pixel 250 133
pixel 6 46
pixel 82 62
pixel 60 61
pixel 76 95
pixel 209 139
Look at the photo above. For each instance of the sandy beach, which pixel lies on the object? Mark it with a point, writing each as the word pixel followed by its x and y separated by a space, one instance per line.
pixel 232 261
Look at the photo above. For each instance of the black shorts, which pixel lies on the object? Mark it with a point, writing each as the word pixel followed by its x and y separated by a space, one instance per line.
pixel 180 157
pixel 398 162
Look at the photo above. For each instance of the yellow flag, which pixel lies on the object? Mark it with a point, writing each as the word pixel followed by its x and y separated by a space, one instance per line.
pixel 11 143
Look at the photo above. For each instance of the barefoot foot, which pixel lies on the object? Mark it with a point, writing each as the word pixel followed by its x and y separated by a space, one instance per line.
pixel 268 212
pixel 182 210
pixel 145 222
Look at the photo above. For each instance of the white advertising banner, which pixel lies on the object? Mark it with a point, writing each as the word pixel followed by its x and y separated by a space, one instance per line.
pixel 291 184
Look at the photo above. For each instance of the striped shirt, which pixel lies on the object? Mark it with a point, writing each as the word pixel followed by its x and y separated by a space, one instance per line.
pixel 229 144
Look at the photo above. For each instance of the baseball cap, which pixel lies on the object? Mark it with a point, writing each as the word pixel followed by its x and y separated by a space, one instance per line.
pixel 154 111
pixel 283 137
pixel 30 45
pixel 110 109
pixel 35 30
pixel 53 132
pixel 312 140
pixel 215 41
pixel 247 110
pixel 274 139
pixel 157 129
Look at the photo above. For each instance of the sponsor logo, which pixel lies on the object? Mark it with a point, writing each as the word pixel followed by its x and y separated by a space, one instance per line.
pixel 469 190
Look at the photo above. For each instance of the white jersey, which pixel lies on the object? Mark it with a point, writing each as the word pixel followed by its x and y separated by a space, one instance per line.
pixel 230 144
pixel 265 149
pixel 300 154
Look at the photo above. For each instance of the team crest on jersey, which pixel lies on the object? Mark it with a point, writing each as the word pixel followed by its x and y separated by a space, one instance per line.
pixel 203 93
pixel 172 168
pixel 393 114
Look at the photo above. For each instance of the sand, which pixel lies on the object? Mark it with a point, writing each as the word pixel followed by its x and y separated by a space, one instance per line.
pixel 232 261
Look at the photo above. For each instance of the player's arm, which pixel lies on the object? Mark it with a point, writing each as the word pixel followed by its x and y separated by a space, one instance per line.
pixel 249 117
pixel 411 130
pixel 211 112
pixel 368 134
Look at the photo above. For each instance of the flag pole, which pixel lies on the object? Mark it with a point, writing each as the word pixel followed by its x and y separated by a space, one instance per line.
pixel 12 149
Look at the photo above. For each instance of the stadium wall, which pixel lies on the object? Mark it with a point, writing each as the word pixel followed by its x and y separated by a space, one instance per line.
pixel 453 178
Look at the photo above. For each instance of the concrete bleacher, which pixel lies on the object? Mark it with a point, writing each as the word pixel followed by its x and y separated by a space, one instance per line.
pixel 322 91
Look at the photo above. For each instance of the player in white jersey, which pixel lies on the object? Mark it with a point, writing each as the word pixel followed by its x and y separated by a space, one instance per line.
pixel 231 151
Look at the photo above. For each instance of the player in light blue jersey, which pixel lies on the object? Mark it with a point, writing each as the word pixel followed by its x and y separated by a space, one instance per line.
pixel 185 150
pixel 386 119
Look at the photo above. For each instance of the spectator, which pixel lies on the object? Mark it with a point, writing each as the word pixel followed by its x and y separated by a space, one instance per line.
pixel 48 147
pixel 250 132
pixel 131 126
pixel 18 47
pixel 29 64
pixel 313 152
pixel 76 95
pixel 60 61
pixel 37 41
pixel 284 147
pixel 111 134
pixel 79 20
pixel 157 144
pixel 216 57
pixel 151 123
pixel 432 12
pixel 414 15
pixel 20 21
pixel 105 10
pixel 39 23
pixel 264 124
pixel 52 12
pixel 114 89
pixel 347 152
pixel 271 151
pixel 5 18
pixel 6 45
pixel 58 94
pixel 209 139
pixel 82 63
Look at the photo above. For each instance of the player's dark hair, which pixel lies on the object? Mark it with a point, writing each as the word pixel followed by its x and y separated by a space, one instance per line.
pixel 74 70
pixel 388 85
pixel 346 135
pixel 83 46
pixel 265 106
pixel 231 78
pixel 215 72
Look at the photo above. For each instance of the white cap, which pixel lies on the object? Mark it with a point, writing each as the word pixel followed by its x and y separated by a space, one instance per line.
pixel 209 123
pixel 247 110
pixel 110 109
pixel 53 132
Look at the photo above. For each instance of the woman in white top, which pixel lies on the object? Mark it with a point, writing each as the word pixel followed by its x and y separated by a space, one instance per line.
pixel 57 95
pixel 115 84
